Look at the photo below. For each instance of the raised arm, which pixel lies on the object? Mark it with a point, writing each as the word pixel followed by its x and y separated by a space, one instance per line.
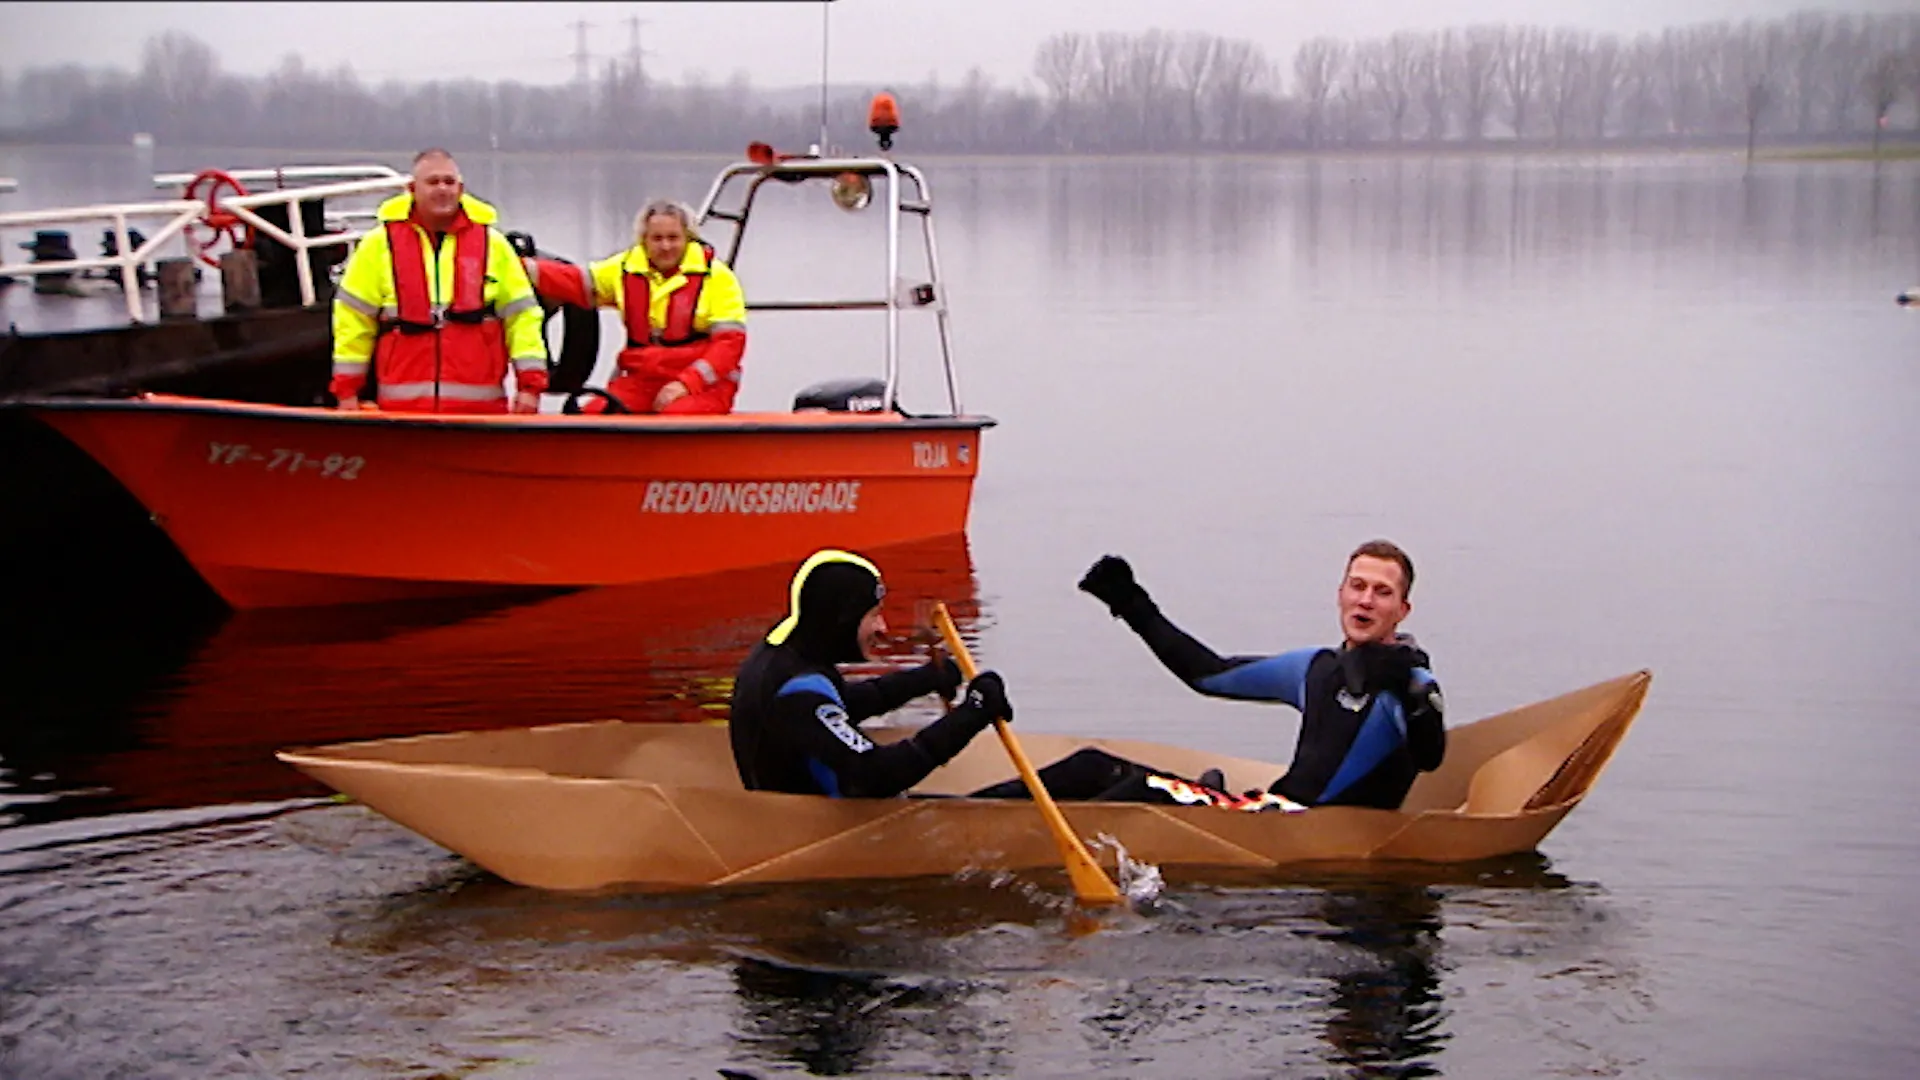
pixel 1247 678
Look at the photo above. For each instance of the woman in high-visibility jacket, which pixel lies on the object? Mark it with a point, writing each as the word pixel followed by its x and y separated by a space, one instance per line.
pixel 684 313
pixel 438 301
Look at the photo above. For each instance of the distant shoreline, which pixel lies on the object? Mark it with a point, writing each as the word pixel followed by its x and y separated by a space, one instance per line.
pixel 1901 149
pixel 1904 151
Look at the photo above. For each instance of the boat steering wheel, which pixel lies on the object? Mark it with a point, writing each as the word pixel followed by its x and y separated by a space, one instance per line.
pixel 205 232
pixel 613 405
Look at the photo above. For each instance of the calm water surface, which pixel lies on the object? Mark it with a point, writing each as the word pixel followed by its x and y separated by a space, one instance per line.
pixel 1626 413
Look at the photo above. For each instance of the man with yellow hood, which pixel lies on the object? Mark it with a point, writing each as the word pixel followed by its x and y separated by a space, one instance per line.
pixel 795 722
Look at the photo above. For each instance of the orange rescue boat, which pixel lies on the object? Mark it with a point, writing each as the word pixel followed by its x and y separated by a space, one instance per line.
pixel 287 507
pixel 290 506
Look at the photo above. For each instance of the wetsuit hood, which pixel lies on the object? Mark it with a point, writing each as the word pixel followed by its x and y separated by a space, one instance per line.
pixel 832 591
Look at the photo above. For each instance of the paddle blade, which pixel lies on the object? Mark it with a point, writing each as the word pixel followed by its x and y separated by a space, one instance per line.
pixel 1091 886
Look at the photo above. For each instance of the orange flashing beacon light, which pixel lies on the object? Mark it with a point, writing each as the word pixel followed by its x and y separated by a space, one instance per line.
pixel 883 118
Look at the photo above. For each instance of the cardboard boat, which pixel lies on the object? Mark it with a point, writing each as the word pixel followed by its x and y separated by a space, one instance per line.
pixel 582 806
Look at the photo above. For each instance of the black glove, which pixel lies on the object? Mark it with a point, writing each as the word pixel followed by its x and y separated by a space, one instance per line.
pixel 522 244
pixel 987 694
pixel 946 676
pixel 1110 581
pixel 1375 667
pixel 986 698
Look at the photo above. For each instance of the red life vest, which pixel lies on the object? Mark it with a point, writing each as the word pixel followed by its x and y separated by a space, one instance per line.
pixel 453 360
pixel 414 294
pixel 681 306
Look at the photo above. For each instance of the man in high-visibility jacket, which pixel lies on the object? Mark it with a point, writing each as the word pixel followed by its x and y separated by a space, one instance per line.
pixel 437 300
pixel 685 316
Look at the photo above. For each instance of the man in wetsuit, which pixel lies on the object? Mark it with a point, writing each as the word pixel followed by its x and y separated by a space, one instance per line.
pixel 1371 712
pixel 795 720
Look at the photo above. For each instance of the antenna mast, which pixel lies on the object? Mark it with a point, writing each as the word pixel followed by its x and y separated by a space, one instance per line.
pixel 825 7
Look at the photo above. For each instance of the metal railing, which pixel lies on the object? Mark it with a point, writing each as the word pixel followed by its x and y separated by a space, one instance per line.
pixel 295 236
pixel 176 215
pixel 898 294
pixel 281 174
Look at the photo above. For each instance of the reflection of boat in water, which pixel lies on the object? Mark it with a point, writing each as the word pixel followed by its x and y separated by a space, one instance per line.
pixel 655 805
pixel 200 721
pixel 833 1004
pixel 1349 972
pixel 279 506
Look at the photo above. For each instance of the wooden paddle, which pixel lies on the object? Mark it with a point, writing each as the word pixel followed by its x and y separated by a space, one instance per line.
pixel 1091 886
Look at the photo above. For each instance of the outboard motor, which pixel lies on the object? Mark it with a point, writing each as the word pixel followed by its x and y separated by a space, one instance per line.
pixel 844 395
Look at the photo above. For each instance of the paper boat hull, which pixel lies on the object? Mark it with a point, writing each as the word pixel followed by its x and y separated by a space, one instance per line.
pixel 582 806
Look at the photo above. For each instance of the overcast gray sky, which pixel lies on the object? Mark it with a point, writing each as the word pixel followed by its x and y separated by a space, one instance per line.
pixel 777 43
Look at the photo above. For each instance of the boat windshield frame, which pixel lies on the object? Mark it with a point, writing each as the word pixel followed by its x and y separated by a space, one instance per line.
pixel 899 295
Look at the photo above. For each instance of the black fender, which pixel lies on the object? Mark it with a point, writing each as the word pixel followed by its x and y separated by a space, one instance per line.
pixel 579 347
pixel 568 371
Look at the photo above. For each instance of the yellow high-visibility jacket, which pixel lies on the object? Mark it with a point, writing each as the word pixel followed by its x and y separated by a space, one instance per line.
pixel 366 312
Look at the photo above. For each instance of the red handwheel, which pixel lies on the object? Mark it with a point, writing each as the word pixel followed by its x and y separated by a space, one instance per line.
pixel 205 232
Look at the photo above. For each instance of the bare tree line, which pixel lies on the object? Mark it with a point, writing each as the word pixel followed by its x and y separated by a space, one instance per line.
pixel 181 96
pixel 1807 77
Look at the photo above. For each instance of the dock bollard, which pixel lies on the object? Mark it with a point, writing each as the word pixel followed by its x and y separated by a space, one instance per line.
pixel 51 245
pixel 179 296
pixel 239 281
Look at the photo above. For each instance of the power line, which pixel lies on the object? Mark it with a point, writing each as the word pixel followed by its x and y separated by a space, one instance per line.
pixel 635 54
pixel 581 56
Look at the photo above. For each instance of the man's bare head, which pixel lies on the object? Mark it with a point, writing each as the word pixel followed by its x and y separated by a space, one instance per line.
pixel 436 186
pixel 1374 592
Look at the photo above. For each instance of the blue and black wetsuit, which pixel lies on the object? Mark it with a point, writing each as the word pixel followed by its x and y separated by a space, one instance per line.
pixel 1371 717
pixel 795 727
pixel 795 721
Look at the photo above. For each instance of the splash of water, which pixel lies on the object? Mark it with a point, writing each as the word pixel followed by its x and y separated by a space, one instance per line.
pixel 1002 878
pixel 1140 882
